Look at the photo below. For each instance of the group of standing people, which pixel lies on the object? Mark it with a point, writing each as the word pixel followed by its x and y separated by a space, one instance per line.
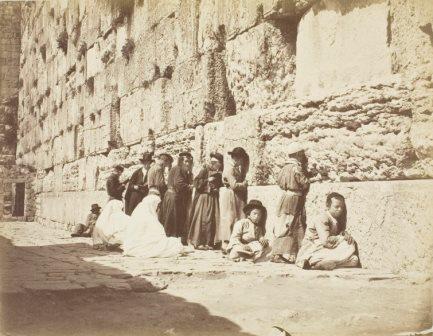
pixel 218 216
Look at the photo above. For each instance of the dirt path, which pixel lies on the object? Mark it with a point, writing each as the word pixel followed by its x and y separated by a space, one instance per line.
pixel 52 285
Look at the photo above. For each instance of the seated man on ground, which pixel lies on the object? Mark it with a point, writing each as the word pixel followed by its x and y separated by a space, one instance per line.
pixel 247 239
pixel 327 244
pixel 86 230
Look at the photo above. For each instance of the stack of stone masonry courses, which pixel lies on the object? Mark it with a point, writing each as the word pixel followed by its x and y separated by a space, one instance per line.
pixel 11 174
pixel 352 80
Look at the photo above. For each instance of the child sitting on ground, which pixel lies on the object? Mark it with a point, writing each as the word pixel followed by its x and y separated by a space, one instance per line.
pixel 327 244
pixel 247 239
pixel 86 230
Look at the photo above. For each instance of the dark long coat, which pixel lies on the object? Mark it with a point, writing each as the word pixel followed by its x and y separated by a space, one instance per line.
pixel 114 187
pixel 205 208
pixel 176 203
pixel 134 196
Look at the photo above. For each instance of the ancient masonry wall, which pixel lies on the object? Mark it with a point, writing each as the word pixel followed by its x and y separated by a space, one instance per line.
pixel 10 174
pixel 352 80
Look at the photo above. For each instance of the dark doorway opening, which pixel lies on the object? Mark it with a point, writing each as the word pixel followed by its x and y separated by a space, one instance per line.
pixel 19 200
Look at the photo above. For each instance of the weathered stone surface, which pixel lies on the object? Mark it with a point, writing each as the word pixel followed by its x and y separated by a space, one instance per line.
pixel 73 209
pixel 261 65
pixel 411 46
pixel 373 121
pixel 342 44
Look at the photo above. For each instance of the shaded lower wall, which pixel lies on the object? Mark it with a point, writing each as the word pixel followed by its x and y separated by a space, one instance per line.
pixel 391 221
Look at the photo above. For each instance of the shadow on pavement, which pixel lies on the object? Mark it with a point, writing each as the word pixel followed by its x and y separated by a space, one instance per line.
pixel 73 309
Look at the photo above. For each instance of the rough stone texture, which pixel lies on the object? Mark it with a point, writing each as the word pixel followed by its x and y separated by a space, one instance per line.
pixel 8 130
pixel 10 44
pixel 261 65
pixel 341 44
pixel 412 46
pixel 361 134
pixel 391 221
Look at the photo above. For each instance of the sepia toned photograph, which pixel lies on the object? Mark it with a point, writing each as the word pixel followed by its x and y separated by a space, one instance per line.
pixel 216 167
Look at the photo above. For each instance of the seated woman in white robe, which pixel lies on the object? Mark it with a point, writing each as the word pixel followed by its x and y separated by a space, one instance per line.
pixel 145 236
pixel 111 224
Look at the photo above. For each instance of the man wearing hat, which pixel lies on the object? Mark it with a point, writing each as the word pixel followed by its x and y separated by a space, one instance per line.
pixel 248 237
pixel 233 195
pixel 114 187
pixel 177 199
pixel 290 228
pixel 86 230
pixel 138 187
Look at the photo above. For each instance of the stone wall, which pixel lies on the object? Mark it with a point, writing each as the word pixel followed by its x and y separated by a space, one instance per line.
pixel 8 130
pixel 10 45
pixel 104 81
pixel 10 174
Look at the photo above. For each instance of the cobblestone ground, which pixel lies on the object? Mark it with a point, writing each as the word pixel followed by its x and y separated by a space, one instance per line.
pixel 52 284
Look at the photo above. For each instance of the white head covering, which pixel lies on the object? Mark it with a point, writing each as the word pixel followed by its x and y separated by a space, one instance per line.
pixel 294 147
pixel 145 236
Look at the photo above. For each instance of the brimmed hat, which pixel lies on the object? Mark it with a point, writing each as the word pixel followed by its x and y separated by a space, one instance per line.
pixel 95 207
pixel 217 156
pixel 294 147
pixel 165 157
pixel 186 154
pixel 147 157
pixel 239 152
pixel 253 204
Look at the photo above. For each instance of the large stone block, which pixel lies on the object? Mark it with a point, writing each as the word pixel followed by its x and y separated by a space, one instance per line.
pixel 156 107
pixel 261 65
pixel 67 209
pixel 242 130
pixel 213 138
pixel 235 16
pixel 176 142
pixel 392 225
pixel 91 22
pixel 374 123
pixel 341 44
pixel 131 116
pixel 141 68
pixel 152 13
pixel 94 64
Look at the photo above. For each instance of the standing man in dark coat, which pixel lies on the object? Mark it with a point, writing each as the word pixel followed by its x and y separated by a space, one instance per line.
pixel 114 187
pixel 177 199
pixel 138 187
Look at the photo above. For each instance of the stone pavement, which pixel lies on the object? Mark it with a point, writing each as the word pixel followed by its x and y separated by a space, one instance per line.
pixel 48 281
pixel 37 258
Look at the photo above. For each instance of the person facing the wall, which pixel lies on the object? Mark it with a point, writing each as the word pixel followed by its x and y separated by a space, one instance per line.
pixel 155 176
pixel 327 244
pixel 114 187
pixel 175 205
pixel 233 195
pixel 138 184
pixel 205 211
pixel 290 227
